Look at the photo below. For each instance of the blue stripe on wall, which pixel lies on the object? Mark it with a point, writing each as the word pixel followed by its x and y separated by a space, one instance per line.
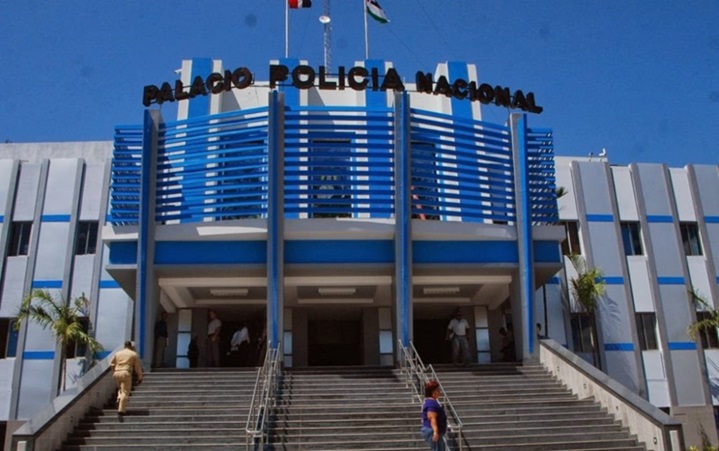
pixel 682 346
pixel 600 218
pixel 44 284
pixel 338 251
pixel 465 252
pixel 670 280
pixel 613 280
pixel 2 218
pixel 55 218
pixel 109 284
pixel 206 252
pixel 102 354
pixel 547 252
pixel 38 355
pixel 199 105
pixel 554 281
pixel 123 253
pixel 461 108
pixel 711 219
pixel 660 218
pixel 619 347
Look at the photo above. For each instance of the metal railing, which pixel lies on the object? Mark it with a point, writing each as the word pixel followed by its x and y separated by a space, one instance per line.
pixel 417 375
pixel 263 400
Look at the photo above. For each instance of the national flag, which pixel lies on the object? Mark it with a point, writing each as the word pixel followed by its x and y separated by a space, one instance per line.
pixel 376 11
pixel 299 3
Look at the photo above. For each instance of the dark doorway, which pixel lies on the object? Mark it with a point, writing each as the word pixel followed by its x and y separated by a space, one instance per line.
pixel 246 354
pixel 334 343
pixel 429 340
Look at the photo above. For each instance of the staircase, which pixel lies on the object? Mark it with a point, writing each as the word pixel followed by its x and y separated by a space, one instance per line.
pixel 204 409
pixel 510 406
pixel 343 408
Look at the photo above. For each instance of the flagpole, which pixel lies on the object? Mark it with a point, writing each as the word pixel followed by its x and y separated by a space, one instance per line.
pixel 366 38
pixel 287 29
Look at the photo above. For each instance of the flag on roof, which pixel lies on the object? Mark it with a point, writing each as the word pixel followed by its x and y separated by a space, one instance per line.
pixel 299 3
pixel 376 11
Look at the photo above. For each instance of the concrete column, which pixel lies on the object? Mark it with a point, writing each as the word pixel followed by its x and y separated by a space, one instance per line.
pixel 145 288
pixel 524 324
pixel 403 219
pixel 275 219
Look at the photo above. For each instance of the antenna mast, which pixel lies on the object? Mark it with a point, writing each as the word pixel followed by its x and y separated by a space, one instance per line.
pixel 327 36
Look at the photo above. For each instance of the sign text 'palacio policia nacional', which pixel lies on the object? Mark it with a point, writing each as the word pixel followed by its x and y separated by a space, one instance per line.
pixel 357 78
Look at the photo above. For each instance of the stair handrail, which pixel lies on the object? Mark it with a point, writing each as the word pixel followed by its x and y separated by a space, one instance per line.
pixel 417 374
pixel 263 399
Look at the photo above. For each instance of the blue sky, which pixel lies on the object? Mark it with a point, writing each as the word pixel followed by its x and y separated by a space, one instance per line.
pixel 639 78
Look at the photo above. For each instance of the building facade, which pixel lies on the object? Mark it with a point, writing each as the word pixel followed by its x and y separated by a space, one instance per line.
pixel 336 218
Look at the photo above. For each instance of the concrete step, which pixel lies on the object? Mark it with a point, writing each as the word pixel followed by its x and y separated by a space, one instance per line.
pixel 564 445
pixel 207 438
pixel 577 438
pixel 368 443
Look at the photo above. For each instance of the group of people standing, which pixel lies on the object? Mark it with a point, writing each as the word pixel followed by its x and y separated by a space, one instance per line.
pixel 238 352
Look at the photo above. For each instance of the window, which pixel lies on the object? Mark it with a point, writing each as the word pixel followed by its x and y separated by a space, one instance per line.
pixel 73 349
pixel 582 332
pixel 425 192
pixel 647 330
pixel 19 238
pixel 708 335
pixel 242 176
pixel 8 338
pixel 690 238
pixel 331 178
pixel 632 238
pixel 86 239
pixel 571 246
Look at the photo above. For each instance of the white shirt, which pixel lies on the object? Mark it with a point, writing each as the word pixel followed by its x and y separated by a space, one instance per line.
pixel 241 336
pixel 214 326
pixel 459 326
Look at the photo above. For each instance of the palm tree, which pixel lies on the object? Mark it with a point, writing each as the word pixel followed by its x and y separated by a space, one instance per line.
pixel 707 323
pixel 62 318
pixel 587 287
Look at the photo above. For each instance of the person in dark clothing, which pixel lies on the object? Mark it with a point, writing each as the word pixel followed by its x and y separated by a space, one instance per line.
pixel 160 341
pixel 434 418
pixel 193 352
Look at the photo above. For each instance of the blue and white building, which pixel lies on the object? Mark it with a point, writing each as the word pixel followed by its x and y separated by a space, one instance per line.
pixel 337 218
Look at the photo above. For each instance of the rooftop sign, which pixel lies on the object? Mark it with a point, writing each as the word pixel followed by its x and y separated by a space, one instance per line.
pixel 357 78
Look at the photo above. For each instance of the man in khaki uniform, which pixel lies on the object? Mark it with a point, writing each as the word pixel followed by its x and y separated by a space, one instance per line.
pixel 123 364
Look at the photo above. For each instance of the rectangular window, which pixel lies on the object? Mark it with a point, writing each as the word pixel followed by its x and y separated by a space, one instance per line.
pixel 425 191
pixel 582 332
pixel 571 246
pixel 74 349
pixel 690 238
pixel 632 238
pixel 647 330
pixel 709 335
pixel 8 338
pixel 242 176
pixel 19 238
pixel 331 177
pixel 86 238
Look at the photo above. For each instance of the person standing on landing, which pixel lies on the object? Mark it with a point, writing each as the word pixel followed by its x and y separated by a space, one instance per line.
pixel 457 334
pixel 434 418
pixel 123 363
pixel 160 341
pixel 213 340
